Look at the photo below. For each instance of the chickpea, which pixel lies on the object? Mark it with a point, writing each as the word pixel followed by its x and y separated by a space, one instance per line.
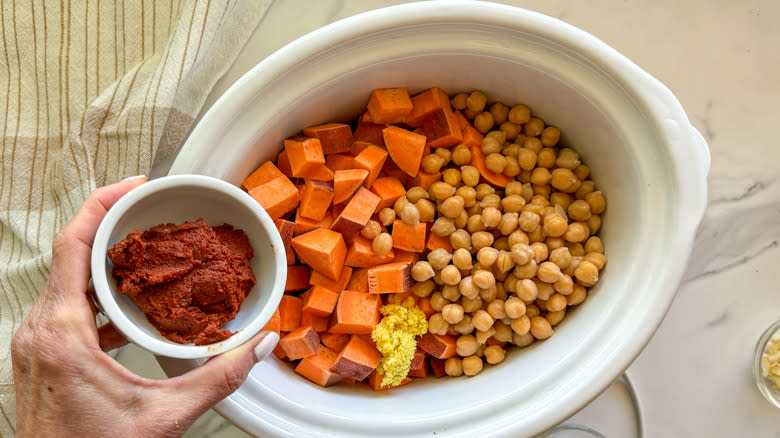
pixel 533 144
pixel 568 158
pixel 521 325
pixel 540 176
pixel 545 289
pixel 498 135
pixel 467 288
pixel 576 249
pixel 504 262
pixel 464 327
pixel 500 112
pixel 509 283
pixel 474 224
pixel 593 244
pixel 450 275
pixel 444 153
pixel 549 272
pixel 491 217
pixel 437 279
pixel 541 328
pixel 560 198
pixel 451 177
pixel 503 333
pixel 481 239
pixel 387 216
pixel 561 257
pixel 508 223
pixel 459 101
pixel 453 313
pixel 472 365
pixel 495 162
pixel 585 188
pixel 451 207
pixel 371 230
pixel 471 304
pixel 437 325
pixel 554 242
pixel 496 309
pixel 461 258
pixel 519 114
pixel 523 340
pixel 577 232
pixel 482 320
pixel 527 270
pixel 564 285
pixel 546 158
pixel 466 345
pixel 582 171
pixel 575 261
pixel 494 354
pixel 517 236
pixel 579 210
pixel 484 190
pixel 501 243
pixel 450 292
pixel 512 168
pixel 453 367
pixel 382 244
pixel 427 210
pixel 416 193
pixel 510 129
pixel 469 175
pixel 422 271
pixel 550 136
pixel 528 221
pixel 443 226
pixel 490 145
pixel 554 318
pixel 577 296
pixel 564 180
pixel 598 259
pixel 438 301
pixel 526 158
pixel 484 122
pixel 587 274
pixel 533 127
pixel 483 279
pixel 532 310
pixel 441 190
pixel 527 291
pixel 555 226
pixel 461 154
pixel 594 223
pixel 543 191
pixel 512 203
pixel 514 307
pixel 439 258
pixel 528 190
pixel 540 251
pixel 476 101
pixel 460 239
pixel 522 253
pixel 424 288
pixel 487 256
pixel 556 302
pixel 410 214
pixel 431 163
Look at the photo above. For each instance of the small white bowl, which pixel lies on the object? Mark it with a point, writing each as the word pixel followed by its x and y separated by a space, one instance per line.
pixel 178 199
pixel 765 386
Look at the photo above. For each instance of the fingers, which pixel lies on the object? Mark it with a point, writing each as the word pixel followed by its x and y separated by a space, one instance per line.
pixel 109 337
pixel 200 389
pixel 72 246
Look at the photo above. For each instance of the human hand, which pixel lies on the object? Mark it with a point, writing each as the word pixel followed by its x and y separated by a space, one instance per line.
pixel 66 385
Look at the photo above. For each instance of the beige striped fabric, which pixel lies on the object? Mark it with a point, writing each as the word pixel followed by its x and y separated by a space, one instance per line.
pixel 93 91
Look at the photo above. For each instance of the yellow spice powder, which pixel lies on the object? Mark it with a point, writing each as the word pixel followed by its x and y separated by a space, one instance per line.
pixel 395 338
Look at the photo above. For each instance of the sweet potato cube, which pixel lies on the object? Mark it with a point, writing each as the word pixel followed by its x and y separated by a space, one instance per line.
pixel 319 173
pixel 406 256
pixel 424 303
pixel 320 301
pixel 442 128
pixel 358 281
pixel 334 137
pixel 389 189
pixel 391 169
pixel 405 148
pixel 389 105
pixel 323 250
pixel 372 159
pixel 283 163
pixel 418 360
pixel 278 196
pixel 263 174
pixel 357 359
pixel 315 199
pixel 290 313
pixel 338 285
pixel 300 343
pixel 435 242
pixel 437 366
pixel 375 382
pixel 337 162
pixel 305 154
pixel 356 214
pixel 362 255
pixel 346 182
pixel 304 225
pixel 318 323
pixel 356 313
pixel 297 278
pixel 275 323
pixel 366 131
pixel 286 231
pixel 438 346
pixel 390 278
pixel 316 367
pixel 426 103
pixel 409 237
pixel 471 137
pixel 424 179
pixel 334 341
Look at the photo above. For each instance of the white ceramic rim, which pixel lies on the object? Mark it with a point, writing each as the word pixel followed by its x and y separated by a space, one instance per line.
pixel 118 317
pixel 653 97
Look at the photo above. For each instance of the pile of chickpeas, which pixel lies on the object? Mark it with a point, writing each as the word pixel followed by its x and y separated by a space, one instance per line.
pixel 522 254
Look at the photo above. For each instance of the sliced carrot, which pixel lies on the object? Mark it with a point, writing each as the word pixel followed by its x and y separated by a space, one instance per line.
pixel 362 255
pixel 375 382
pixel 283 163
pixel 389 105
pixel 337 162
pixel 305 154
pixel 275 323
pixel 372 159
pixel 472 137
pixel 390 278
pixel 356 214
pixel 346 182
pixel 318 323
pixel 334 341
pixel 290 313
pixel 320 301
pixel 359 280
pixel 356 313
pixel 437 366
pixel 406 256
pixel 435 242
pixel 442 128
pixel 409 237
pixel 389 189
pixel 297 278
pixel 405 148
pixel 316 367
pixel 278 196
pixel 266 172
pixel 357 359
pixel 334 137
pixel 426 103
pixel 315 199
pixel 338 285
pixel 304 225
pixel 300 343
pixel 461 119
pixel 478 161
pixel 286 231
pixel 323 250
pixel 438 346
pixel 424 179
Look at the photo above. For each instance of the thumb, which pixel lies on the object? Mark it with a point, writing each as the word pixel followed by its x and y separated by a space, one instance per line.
pixel 200 389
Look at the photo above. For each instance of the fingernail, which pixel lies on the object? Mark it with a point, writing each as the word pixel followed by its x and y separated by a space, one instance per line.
pixel 266 346
pixel 133 177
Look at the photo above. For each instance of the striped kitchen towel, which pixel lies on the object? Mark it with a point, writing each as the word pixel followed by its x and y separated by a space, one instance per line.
pixel 93 91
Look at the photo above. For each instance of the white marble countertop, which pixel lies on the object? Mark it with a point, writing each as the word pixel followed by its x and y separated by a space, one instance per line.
pixel 721 59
